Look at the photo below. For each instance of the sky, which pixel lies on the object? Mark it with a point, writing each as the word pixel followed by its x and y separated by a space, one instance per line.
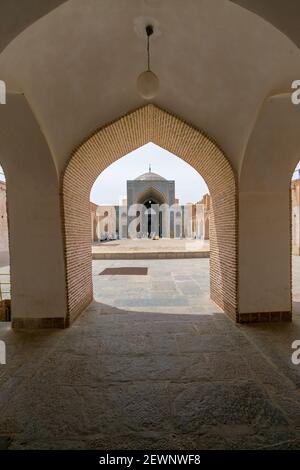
pixel 110 186
pixel 296 174
pixel 2 176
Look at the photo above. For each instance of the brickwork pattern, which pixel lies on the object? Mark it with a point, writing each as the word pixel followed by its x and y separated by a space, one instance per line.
pixel 108 144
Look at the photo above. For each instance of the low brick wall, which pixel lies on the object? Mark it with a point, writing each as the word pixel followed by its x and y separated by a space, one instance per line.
pixel 153 255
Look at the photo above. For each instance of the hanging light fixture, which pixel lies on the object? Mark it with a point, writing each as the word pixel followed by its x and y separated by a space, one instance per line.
pixel 147 82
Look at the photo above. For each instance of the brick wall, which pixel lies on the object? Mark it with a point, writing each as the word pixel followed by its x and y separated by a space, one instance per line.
pixel 108 144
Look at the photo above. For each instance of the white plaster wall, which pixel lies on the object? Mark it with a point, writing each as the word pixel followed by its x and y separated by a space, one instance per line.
pixel 264 209
pixel 36 244
pixel 264 258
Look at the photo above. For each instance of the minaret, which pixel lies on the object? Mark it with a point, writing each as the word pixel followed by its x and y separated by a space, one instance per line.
pixel 149 167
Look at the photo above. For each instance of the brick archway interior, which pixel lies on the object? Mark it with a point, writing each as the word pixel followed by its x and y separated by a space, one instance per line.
pixel 108 144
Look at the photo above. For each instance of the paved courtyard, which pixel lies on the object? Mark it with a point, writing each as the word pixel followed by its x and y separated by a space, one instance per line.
pixel 152 363
pixel 171 286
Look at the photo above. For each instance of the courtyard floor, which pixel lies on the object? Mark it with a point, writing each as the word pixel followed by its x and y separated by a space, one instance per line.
pixel 170 286
pixel 152 363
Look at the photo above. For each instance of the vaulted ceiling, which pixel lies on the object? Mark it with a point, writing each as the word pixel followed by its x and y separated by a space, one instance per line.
pixel 218 61
pixel 284 15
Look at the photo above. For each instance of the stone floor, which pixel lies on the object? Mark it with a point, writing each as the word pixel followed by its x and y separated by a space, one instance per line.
pixel 152 364
pixel 171 286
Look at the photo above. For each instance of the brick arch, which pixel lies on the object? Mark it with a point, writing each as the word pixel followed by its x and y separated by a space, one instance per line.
pixel 108 144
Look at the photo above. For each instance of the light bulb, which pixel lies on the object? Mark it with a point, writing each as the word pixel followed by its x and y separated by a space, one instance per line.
pixel 147 85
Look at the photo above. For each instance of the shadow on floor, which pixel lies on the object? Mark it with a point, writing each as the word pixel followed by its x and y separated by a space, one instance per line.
pixel 138 380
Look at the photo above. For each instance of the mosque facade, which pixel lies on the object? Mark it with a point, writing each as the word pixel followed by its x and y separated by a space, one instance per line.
pixel 151 210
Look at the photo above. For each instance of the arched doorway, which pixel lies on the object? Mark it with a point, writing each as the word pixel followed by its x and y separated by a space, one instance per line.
pixel 152 200
pixel 108 144
pixel 5 285
pixel 151 216
pixel 295 237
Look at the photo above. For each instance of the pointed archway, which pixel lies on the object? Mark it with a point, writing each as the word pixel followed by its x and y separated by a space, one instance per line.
pixel 108 144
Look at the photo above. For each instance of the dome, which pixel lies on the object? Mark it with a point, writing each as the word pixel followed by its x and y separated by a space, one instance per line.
pixel 150 176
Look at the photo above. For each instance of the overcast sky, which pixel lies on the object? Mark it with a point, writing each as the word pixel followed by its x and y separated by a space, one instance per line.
pixel 110 186
pixel 2 176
